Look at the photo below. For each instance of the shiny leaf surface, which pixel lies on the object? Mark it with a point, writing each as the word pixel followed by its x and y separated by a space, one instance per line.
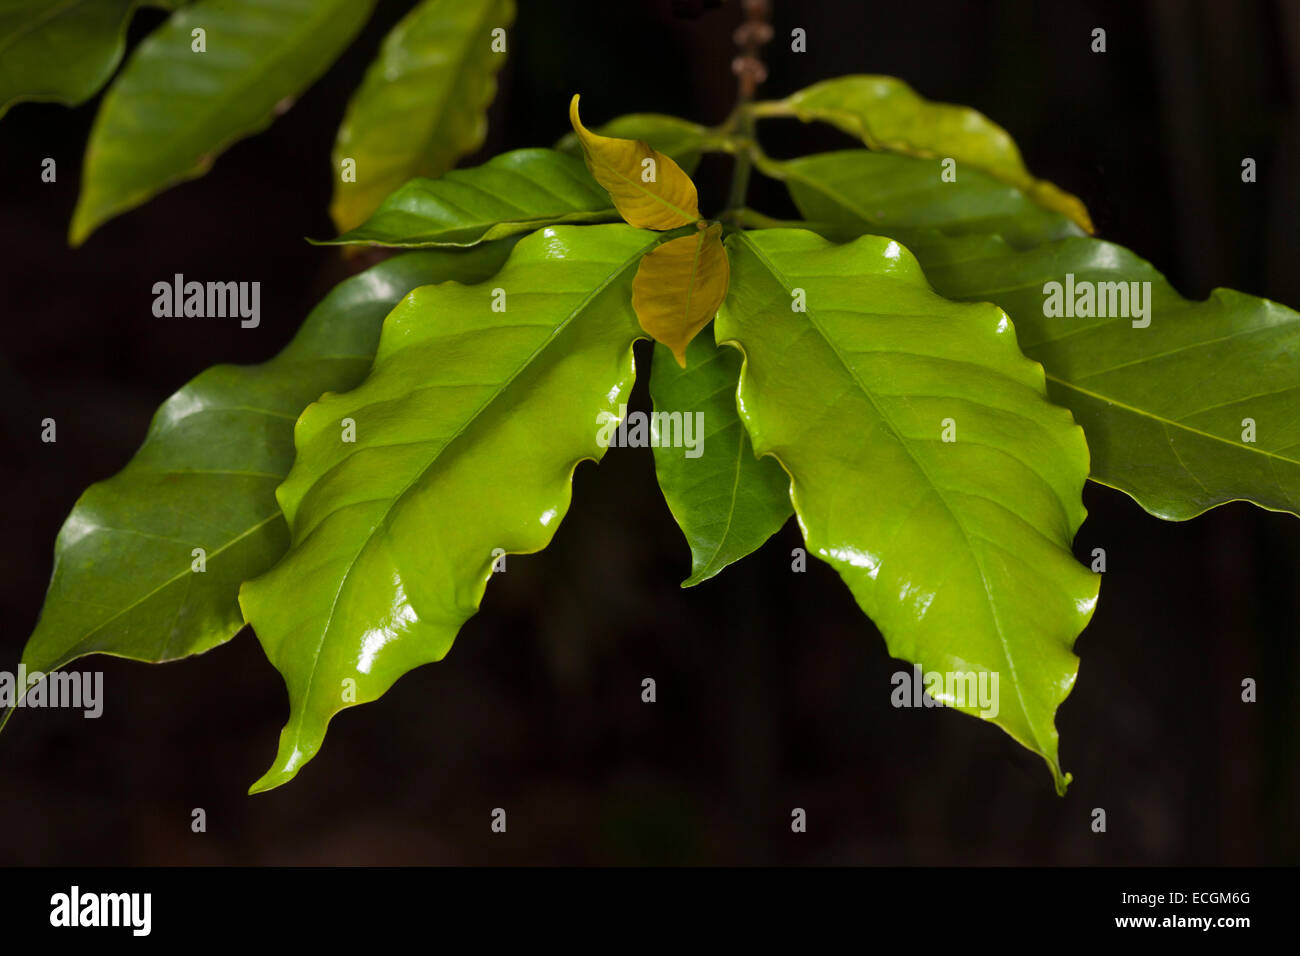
pixel 1197 408
pixel 648 188
pixel 678 288
pixel 958 550
pixel 124 581
pixel 515 192
pixel 423 102
pixel 856 192
pixel 887 114
pixel 172 110
pixel 467 433
pixel 726 500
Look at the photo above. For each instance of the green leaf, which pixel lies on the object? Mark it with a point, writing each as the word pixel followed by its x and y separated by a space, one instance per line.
pixel 958 550
pixel 684 141
pixel 423 102
pixel 1164 406
pixel 61 52
pixel 515 192
pixel 467 433
pixel 726 501
pixel 887 114
pixel 853 192
pixel 172 110
pixel 205 477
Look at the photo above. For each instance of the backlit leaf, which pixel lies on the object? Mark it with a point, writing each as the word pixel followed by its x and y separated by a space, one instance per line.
pixel 926 464
pixel 205 477
pixel 480 405
pixel 423 102
pixel 887 114
pixel 1197 408
pixel 1165 406
pixel 172 110
pixel 515 192
pixel 681 139
pixel 679 286
pixel 649 189
pixel 854 192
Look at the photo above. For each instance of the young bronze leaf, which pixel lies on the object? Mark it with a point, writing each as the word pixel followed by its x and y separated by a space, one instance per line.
pixel 649 189
pixel 679 286
pixel 458 449
pixel 681 139
pixel 926 466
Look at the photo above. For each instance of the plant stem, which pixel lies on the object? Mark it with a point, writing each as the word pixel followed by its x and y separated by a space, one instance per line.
pixel 750 36
pixel 744 163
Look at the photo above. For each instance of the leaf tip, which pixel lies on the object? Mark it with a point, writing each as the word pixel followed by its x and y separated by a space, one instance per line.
pixel 1063 780
pixel 574 120
pixel 79 230
pixel 283 769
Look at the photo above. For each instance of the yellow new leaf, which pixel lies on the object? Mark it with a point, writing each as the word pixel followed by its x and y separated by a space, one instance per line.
pixel 649 189
pixel 679 286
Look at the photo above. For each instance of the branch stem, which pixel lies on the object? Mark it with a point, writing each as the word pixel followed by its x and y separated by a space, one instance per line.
pixel 754 31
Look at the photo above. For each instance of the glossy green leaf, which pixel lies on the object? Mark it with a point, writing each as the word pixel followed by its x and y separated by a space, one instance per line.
pixel 423 102
pixel 887 114
pixel 852 192
pixel 1199 407
pixel 959 549
pixel 1165 407
pixel 481 403
pixel 172 110
pixel 124 578
pixel 726 500
pixel 61 52
pixel 681 139
pixel 515 192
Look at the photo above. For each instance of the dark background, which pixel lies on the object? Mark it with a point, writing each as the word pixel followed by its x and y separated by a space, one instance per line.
pixel 773 688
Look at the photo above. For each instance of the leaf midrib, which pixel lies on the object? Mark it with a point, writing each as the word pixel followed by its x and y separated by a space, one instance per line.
pixel 458 81
pixel 424 470
pixel 1168 422
pixel 992 604
pixel 651 193
pixel 252 80
pixel 168 583
pixel 52 13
